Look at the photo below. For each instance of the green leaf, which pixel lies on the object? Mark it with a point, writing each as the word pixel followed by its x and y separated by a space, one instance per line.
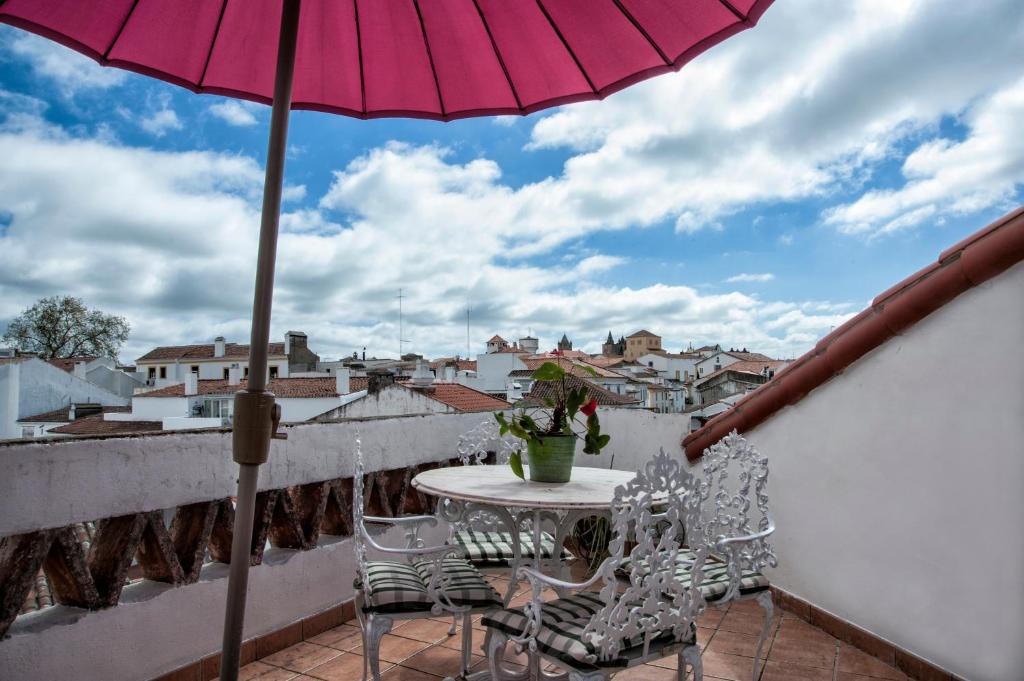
pixel 528 423
pixel 500 418
pixel 548 402
pixel 575 400
pixel 549 371
pixel 589 369
pixel 519 431
pixel 515 462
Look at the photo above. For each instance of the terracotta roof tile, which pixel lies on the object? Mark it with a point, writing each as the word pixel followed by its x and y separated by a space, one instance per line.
pixel 281 387
pixel 642 333
pixel 205 351
pixel 976 259
pixel 63 415
pixel 68 363
pixel 95 425
pixel 542 389
pixel 745 368
pixel 461 397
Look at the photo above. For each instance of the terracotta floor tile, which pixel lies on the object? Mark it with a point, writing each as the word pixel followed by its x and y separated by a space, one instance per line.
pixel 345 667
pixel 847 676
pixel 396 648
pixel 711 617
pixel 428 631
pixel 439 661
pixel 405 674
pixel 301 657
pixel 742 622
pixel 807 653
pixel 854 661
pixel 782 671
pixel 344 637
pixel 258 671
pixel 733 643
pixel 728 667
pixel 667 662
pixel 646 672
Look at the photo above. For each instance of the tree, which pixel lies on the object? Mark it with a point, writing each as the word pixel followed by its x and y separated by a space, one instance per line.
pixel 62 326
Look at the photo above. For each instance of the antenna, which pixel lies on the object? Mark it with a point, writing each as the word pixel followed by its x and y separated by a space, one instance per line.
pixel 401 341
pixel 467 331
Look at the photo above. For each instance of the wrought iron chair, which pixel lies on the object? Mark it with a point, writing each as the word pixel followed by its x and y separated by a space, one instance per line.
pixel 735 477
pixel 593 635
pixel 431 582
pixel 482 537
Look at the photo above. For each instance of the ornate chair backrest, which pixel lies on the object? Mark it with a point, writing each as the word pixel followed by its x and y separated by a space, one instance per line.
pixel 735 480
pixel 476 444
pixel 656 511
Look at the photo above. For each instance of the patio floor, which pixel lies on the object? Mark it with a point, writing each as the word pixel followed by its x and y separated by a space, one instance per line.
pixel 421 650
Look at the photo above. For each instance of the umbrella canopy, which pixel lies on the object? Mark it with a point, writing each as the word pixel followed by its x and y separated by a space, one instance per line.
pixel 437 59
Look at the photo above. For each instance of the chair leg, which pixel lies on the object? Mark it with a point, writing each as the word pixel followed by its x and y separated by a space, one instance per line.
pixel 467 642
pixel 494 645
pixel 764 599
pixel 587 676
pixel 376 627
pixel 455 625
pixel 690 656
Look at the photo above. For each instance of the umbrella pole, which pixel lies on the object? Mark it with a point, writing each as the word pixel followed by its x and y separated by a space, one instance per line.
pixel 256 415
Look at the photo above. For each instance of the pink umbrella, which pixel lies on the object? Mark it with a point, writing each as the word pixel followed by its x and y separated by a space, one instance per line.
pixel 438 59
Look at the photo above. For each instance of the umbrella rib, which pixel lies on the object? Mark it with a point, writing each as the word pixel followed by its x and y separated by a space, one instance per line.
pixel 642 31
pixel 430 56
pixel 120 29
pixel 213 41
pixel 565 43
pixel 739 15
pixel 497 55
pixel 359 52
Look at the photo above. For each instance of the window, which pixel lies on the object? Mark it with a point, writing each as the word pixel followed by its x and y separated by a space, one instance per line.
pixel 163 372
pixel 245 374
pixel 226 370
pixel 151 374
pixel 273 372
pixel 194 369
pixel 28 432
pixel 217 407
pixel 651 363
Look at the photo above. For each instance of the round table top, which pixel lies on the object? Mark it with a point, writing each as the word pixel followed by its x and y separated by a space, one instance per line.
pixel 589 488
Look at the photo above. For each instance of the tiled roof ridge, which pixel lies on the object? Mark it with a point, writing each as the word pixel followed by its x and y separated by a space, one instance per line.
pixel 973 261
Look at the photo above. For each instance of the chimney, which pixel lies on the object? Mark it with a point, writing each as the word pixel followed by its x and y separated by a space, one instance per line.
pixel 513 391
pixel 449 373
pixel 364 353
pixel 80 371
pixel 378 379
pixel 218 346
pixel 341 379
pixel 422 377
pixel 234 375
pixel 192 383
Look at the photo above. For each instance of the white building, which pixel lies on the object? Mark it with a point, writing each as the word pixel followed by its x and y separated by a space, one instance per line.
pixel 719 360
pixel 676 367
pixel 31 386
pixel 104 372
pixel 209 403
pixel 169 365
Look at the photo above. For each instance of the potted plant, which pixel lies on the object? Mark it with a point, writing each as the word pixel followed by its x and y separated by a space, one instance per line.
pixel 551 436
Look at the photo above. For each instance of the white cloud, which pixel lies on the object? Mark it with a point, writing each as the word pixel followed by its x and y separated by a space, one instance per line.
pixel 159 122
pixel 945 177
pixel 235 112
pixel 750 278
pixel 71 71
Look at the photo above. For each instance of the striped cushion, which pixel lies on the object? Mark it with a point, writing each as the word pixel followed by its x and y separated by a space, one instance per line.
pixel 716 577
pixel 563 623
pixel 399 587
pixel 495 548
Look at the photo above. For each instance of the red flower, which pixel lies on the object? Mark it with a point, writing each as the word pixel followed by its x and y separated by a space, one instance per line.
pixel 556 352
pixel 589 408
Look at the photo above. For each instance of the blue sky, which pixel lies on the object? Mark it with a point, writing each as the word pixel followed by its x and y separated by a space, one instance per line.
pixel 758 198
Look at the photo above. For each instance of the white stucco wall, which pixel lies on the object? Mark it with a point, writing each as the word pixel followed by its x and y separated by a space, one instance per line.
pixel 898 487
pixel 392 401
pixel 33 386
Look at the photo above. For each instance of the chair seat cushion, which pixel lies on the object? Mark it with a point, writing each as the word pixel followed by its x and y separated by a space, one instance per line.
pixel 563 622
pixel 495 548
pixel 399 587
pixel 716 576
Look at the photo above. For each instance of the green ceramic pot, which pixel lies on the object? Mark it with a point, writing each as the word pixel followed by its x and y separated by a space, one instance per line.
pixel 551 461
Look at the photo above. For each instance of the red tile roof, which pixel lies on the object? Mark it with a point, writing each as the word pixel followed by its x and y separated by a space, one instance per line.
pixel 95 425
pixel 497 339
pixel 68 363
pixel 750 356
pixel 642 333
pixel 461 397
pixel 63 415
pixel 576 367
pixel 975 260
pixel 745 368
pixel 461 364
pixel 205 351
pixel 542 389
pixel 281 387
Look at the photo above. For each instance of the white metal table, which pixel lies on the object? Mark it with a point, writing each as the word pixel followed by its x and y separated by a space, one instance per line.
pixel 495 491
